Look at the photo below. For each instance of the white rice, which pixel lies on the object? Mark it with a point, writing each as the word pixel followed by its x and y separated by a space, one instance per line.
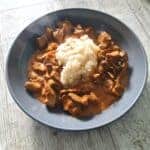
pixel 78 57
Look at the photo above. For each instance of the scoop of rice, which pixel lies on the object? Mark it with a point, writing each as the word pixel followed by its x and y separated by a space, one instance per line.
pixel 78 57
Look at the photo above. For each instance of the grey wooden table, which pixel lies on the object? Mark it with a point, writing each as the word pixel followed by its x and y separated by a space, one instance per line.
pixel 19 132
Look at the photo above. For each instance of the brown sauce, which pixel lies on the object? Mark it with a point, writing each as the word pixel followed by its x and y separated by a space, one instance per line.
pixel 88 97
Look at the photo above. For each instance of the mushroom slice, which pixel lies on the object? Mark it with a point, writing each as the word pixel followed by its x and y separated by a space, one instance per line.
pixel 51 100
pixel 33 86
pixel 68 104
pixel 42 42
pixel 49 33
pixel 52 46
pixel 37 66
pixel 93 97
pixel 58 35
pixel 118 90
pixel 103 37
pixel 57 86
pixel 33 76
pixel 82 100
pixel 65 91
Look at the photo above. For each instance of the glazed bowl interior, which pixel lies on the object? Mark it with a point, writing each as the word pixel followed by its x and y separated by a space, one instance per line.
pixel 24 47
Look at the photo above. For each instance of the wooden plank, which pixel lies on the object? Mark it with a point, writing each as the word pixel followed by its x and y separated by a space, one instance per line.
pixel 141 11
pixel 17 131
pixel 15 4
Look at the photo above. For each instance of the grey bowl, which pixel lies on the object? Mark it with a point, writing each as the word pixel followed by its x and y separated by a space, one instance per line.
pixel 24 47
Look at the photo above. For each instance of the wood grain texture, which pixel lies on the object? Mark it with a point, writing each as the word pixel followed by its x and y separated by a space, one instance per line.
pixel 19 132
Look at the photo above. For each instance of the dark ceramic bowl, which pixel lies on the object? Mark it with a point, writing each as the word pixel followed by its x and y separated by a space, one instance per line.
pixel 24 47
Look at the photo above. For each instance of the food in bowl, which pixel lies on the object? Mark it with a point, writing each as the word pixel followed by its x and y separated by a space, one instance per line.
pixel 77 69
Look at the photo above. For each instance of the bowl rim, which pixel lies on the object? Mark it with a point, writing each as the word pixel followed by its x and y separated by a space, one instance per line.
pixel 93 126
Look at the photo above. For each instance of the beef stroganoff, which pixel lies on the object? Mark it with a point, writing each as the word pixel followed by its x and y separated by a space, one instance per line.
pixel 77 69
